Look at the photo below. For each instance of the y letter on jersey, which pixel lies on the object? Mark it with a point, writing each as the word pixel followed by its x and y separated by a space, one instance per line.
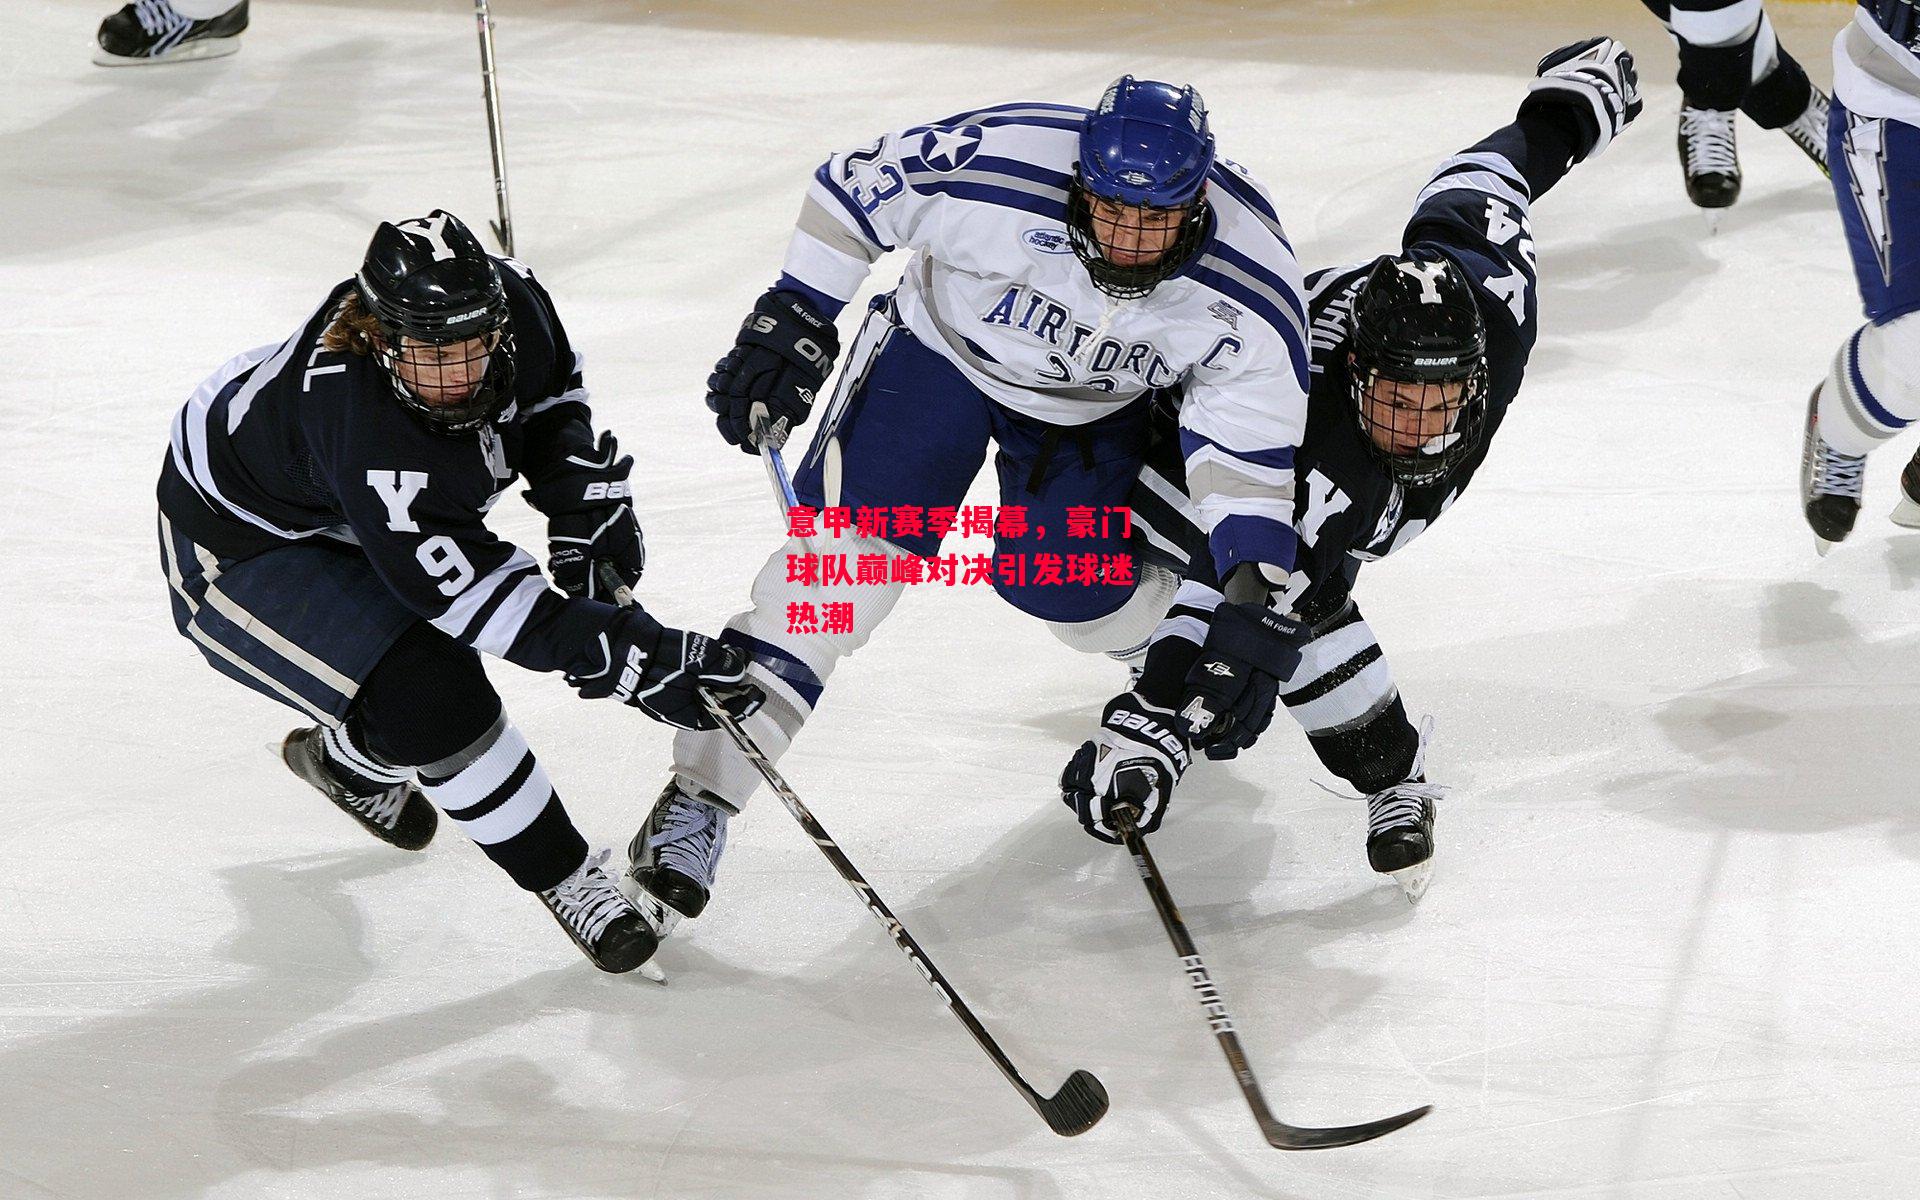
pixel 397 490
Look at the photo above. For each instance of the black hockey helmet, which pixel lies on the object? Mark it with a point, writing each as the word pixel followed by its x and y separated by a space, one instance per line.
pixel 1416 324
pixel 430 285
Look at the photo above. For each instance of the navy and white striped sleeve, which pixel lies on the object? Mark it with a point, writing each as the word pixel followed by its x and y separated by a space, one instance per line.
pixel 1244 417
pixel 848 220
pixel 867 201
pixel 1475 209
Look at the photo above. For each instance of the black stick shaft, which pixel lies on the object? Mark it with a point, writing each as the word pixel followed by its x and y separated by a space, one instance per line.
pixel 1077 1106
pixel 1278 1134
pixel 496 128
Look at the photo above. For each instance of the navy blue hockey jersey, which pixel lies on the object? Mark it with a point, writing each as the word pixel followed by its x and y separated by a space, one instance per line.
pixel 293 441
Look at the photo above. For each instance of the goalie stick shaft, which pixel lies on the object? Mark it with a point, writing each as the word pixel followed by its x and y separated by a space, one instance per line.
pixel 496 129
pixel 1279 1134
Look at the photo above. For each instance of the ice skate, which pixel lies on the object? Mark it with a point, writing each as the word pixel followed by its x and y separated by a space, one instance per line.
pixel 1400 834
pixel 1809 130
pixel 1830 484
pixel 1907 512
pixel 602 922
pixel 675 856
pixel 149 32
pixel 1710 160
pixel 399 816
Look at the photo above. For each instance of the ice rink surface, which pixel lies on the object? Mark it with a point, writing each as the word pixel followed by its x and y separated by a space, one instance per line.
pixel 1669 952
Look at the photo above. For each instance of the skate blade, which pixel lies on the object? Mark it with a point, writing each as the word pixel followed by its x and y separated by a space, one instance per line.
pixel 1823 546
pixel 1413 880
pixel 196 51
pixel 1905 514
pixel 1712 217
pixel 647 970
pixel 661 917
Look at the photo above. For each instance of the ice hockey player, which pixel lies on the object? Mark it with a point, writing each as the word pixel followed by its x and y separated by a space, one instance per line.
pixel 1416 357
pixel 152 32
pixel 1873 390
pixel 1731 60
pixel 1064 262
pixel 321 529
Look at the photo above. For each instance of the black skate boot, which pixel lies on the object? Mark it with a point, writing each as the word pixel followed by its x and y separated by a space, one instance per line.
pixel 1400 834
pixel 1710 160
pixel 676 855
pixel 399 816
pixel 149 32
pixel 1809 131
pixel 1830 483
pixel 1907 512
pixel 601 921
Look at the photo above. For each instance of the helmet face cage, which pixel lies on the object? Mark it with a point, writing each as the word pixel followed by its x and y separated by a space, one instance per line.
pixel 1440 421
pixel 428 381
pixel 1140 225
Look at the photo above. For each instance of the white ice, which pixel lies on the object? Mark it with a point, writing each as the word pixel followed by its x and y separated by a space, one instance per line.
pixel 1669 953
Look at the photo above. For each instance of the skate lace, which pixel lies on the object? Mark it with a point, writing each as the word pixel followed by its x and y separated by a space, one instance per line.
pixel 1401 804
pixel 587 899
pixel 1837 473
pixel 157 16
pixel 1809 129
pixel 1709 137
pixel 691 839
pixel 382 808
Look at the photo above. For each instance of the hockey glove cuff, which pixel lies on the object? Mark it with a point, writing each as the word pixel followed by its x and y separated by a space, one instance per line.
pixel 662 672
pixel 590 521
pixel 779 362
pixel 1233 686
pixel 1595 79
pixel 1137 758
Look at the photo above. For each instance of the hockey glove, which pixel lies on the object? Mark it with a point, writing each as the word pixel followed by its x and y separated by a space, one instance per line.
pixel 783 355
pixel 1596 80
pixel 1232 688
pixel 590 522
pixel 662 672
pixel 1136 759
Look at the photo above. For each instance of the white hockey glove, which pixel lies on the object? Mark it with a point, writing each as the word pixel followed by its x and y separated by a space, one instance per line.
pixel 1137 758
pixel 1596 79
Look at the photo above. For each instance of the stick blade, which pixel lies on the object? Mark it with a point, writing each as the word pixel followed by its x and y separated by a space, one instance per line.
pixel 1289 1137
pixel 1076 1107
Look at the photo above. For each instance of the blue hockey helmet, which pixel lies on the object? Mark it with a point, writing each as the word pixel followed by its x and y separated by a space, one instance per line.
pixel 1144 155
pixel 1147 143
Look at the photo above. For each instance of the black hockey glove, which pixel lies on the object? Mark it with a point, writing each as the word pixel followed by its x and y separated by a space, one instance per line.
pixel 777 366
pixel 1136 759
pixel 1595 80
pixel 590 522
pixel 662 671
pixel 1232 688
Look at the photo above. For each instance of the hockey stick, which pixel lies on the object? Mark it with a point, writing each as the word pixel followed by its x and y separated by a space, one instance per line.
pixel 496 130
pixel 1279 1134
pixel 1081 1100
pixel 776 467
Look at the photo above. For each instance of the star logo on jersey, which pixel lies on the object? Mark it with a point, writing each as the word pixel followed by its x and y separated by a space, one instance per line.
pixel 1226 312
pixel 949 149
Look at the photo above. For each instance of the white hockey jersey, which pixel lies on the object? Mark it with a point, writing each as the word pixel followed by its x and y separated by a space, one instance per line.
pixel 1875 75
pixel 993 285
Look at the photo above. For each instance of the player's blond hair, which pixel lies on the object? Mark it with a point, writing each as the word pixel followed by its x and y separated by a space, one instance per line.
pixel 353 329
